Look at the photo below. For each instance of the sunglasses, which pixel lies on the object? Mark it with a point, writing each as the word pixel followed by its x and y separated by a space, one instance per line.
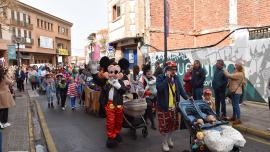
pixel 115 72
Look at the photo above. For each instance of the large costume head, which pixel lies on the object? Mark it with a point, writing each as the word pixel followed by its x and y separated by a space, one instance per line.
pixel 114 71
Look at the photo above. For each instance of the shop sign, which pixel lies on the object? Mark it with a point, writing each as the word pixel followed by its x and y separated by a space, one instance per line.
pixel 11 52
pixel 62 51
pixel 131 56
pixel 46 42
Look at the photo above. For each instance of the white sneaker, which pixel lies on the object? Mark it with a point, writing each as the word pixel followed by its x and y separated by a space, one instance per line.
pixel 63 108
pixel 1 126
pixel 170 142
pixel 6 125
pixel 165 147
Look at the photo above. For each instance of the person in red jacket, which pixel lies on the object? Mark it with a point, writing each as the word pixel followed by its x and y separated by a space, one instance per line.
pixel 187 79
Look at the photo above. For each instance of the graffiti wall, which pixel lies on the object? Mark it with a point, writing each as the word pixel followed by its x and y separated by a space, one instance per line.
pixel 253 54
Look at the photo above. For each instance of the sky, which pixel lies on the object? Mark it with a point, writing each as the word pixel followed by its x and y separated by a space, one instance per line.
pixel 87 16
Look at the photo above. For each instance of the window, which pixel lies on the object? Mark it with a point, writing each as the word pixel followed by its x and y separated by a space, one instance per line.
pixel 116 11
pixel 38 22
pixel 51 27
pixel 45 24
pixel 58 29
pixel 25 33
pixel 12 15
pixel 18 16
pixel 19 32
pixel 29 19
pixel 24 18
pixel 1 31
pixel 39 42
pixel 13 31
pixel 30 34
pixel 41 23
pixel 66 31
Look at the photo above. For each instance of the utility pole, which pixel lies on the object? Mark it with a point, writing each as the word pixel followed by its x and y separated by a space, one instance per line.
pixel 165 31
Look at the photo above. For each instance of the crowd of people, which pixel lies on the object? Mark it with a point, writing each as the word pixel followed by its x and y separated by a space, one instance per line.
pixel 161 88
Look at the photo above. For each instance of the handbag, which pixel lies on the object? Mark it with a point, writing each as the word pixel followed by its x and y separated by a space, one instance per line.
pixel 229 93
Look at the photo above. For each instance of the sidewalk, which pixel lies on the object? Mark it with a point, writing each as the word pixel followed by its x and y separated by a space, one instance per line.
pixel 16 137
pixel 255 118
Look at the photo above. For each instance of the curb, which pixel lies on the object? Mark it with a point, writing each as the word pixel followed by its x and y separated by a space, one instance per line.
pixel 48 137
pixel 30 128
pixel 252 131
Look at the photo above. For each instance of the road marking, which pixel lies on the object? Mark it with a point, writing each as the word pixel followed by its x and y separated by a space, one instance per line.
pixel 258 140
pixel 48 137
pixel 33 94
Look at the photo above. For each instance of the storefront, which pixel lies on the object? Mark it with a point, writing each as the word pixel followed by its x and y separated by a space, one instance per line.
pixel 62 57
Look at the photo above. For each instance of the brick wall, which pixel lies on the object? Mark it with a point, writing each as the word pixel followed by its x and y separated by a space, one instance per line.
pixel 181 20
pixel 253 12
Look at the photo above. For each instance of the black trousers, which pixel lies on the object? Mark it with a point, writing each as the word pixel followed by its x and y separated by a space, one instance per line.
pixel 149 111
pixel 4 115
pixel 20 85
pixel 220 102
pixel 63 96
pixel 34 85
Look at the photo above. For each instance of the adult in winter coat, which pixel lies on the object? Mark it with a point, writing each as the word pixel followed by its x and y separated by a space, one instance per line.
pixel 6 98
pixel 197 80
pixel 219 84
pixel 169 89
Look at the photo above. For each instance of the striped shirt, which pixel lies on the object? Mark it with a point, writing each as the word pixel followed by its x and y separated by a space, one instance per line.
pixel 72 90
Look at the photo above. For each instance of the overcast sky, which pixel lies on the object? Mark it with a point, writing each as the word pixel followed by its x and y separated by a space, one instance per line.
pixel 87 16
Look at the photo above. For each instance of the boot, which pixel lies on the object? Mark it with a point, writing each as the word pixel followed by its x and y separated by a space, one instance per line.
pixel 49 105
pixel 237 122
pixel 111 143
pixel 52 105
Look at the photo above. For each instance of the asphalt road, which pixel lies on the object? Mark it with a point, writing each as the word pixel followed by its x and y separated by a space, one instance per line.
pixel 81 132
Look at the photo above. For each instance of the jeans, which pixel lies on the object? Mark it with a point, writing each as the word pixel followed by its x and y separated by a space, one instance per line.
pixel 34 85
pixel 72 101
pixel 220 99
pixel 58 95
pixel 63 99
pixel 50 99
pixel 236 106
pixel 197 93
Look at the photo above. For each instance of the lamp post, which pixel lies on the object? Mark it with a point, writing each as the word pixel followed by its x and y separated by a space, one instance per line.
pixel 91 39
pixel 165 31
pixel 18 42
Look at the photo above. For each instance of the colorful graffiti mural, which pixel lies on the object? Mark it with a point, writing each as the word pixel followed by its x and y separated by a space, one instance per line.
pixel 254 55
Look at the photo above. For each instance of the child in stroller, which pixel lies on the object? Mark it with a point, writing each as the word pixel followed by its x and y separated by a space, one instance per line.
pixel 208 133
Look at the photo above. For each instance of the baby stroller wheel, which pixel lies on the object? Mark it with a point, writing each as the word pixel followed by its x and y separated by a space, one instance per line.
pixel 145 132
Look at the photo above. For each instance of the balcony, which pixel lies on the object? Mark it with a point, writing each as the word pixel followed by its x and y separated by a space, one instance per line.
pixel 23 40
pixel 21 24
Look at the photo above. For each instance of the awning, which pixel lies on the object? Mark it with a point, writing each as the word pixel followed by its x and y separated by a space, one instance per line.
pixel 26 57
pixel 63 52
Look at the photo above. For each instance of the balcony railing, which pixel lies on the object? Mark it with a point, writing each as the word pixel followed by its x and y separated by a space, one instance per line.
pixel 21 24
pixel 23 40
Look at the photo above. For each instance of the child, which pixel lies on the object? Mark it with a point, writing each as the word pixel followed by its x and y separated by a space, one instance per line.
pixel 80 90
pixel 50 90
pixel 207 97
pixel 63 92
pixel 72 92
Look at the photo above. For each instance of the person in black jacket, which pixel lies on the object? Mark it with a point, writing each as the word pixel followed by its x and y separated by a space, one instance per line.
pixel 20 77
pixel 197 80
pixel 219 84
pixel 158 69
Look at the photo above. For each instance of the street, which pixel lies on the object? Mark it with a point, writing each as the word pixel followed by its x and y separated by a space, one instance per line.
pixel 81 132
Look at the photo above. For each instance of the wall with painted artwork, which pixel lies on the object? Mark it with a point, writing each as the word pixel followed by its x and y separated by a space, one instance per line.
pixel 253 54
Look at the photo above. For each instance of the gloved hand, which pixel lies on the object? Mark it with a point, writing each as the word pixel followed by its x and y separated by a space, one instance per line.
pixel 115 83
pixel 93 68
pixel 152 82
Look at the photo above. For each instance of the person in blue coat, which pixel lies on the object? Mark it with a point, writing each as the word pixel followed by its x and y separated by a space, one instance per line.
pixel 169 89
pixel 197 80
pixel 219 85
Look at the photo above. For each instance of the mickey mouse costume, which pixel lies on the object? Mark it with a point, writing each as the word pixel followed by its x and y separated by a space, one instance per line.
pixel 112 99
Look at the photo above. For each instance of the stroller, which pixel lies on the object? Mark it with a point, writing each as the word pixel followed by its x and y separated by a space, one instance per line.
pixel 133 116
pixel 191 112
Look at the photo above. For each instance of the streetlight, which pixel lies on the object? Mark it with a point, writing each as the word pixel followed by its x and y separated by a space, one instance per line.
pixel 165 31
pixel 18 41
pixel 91 39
